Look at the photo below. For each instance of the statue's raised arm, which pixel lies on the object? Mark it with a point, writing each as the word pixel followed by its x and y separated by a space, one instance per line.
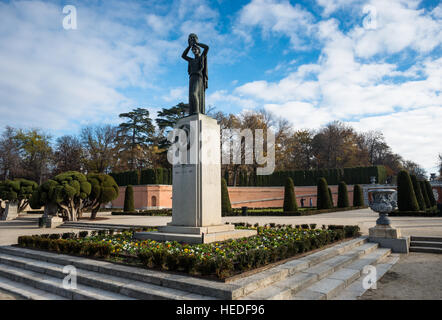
pixel 197 69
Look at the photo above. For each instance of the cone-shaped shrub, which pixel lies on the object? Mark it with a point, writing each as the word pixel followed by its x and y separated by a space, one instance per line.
pixel 358 197
pixel 226 207
pixel 430 193
pixel 323 197
pixel 129 199
pixel 419 195
pixel 331 197
pixel 343 195
pixel 406 198
pixel 289 196
pixel 425 194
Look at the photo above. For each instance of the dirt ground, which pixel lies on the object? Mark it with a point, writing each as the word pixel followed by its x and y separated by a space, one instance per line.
pixel 416 276
pixel 6 296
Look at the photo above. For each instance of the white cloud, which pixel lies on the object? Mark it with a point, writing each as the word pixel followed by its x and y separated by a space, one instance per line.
pixel 399 25
pixel 177 95
pixel 276 17
pixel 348 84
pixel 414 134
pixel 331 6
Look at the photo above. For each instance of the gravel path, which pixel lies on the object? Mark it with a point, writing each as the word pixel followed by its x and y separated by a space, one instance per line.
pixel 417 276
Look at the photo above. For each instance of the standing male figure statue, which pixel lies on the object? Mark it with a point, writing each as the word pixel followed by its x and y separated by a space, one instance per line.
pixel 197 69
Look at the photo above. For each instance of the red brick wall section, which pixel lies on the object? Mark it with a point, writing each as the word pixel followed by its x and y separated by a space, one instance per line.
pixel 256 197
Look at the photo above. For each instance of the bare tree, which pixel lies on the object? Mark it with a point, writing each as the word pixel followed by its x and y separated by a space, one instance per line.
pixel 99 145
pixel 68 155
pixel 10 166
pixel 414 168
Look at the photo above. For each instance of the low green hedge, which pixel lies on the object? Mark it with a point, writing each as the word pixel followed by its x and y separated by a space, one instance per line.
pixel 154 212
pixel 430 212
pixel 220 260
pixel 301 212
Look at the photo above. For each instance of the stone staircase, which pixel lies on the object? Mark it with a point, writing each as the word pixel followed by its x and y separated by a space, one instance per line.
pixel 426 244
pixel 325 274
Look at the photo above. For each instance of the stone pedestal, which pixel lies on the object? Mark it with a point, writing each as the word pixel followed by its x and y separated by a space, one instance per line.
pixel 196 197
pixel 11 211
pixel 49 222
pixel 389 237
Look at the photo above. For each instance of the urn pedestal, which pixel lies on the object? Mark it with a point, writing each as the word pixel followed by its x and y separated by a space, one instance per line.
pixel 383 233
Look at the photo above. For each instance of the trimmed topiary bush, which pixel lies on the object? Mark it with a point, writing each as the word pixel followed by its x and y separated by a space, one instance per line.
pixel 418 192
pixel 430 193
pixel 19 191
pixel 68 190
pixel 331 197
pixel 425 195
pixel 129 199
pixel 226 207
pixel 323 197
pixel 358 197
pixel 103 189
pixel 406 198
pixel 343 195
pixel 290 204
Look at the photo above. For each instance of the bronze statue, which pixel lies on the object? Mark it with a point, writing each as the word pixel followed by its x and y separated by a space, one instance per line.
pixel 197 70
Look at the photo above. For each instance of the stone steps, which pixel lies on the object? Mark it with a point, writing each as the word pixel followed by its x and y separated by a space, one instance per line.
pixel 33 272
pixel 356 289
pixel 426 244
pixel 39 274
pixel 336 282
pixel 26 292
pixel 326 278
pixel 54 285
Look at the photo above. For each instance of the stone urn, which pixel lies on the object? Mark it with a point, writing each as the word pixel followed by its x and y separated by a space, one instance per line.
pixel 382 201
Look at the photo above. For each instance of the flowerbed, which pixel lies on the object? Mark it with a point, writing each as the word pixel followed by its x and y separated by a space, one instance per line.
pixel 220 260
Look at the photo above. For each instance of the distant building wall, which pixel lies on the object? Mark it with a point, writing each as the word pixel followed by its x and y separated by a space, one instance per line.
pixel 160 196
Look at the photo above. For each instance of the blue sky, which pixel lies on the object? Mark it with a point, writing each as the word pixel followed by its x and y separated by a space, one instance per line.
pixel 372 63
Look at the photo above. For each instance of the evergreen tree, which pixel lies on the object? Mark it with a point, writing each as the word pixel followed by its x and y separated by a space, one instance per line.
pixel 135 134
pixel 331 197
pixel 419 194
pixel 425 194
pixel 129 199
pixel 226 206
pixel 406 198
pixel 290 204
pixel 430 193
pixel 343 195
pixel 358 197
pixel 323 197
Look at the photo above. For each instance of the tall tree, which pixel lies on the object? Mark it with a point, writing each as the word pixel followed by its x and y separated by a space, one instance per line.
pixel 416 169
pixel 166 121
pixel 135 135
pixel 301 150
pixel 35 152
pixel 68 155
pixel 10 164
pixel 99 147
